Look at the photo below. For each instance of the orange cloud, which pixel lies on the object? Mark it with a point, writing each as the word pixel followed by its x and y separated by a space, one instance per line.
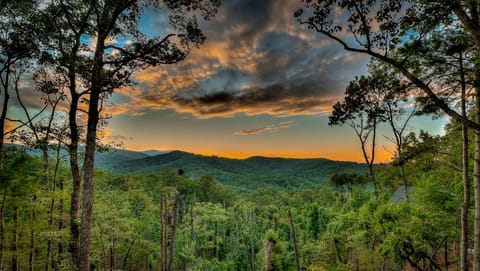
pixel 268 65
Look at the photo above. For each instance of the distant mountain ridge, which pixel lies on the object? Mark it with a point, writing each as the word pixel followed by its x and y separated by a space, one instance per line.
pixel 253 172
pixel 245 174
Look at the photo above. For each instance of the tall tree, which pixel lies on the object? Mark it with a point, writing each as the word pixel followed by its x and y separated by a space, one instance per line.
pixel 362 110
pixel 16 46
pixel 453 73
pixel 398 107
pixel 105 66
pixel 110 71
pixel 381 28
pixel 64 56
pixel 293 238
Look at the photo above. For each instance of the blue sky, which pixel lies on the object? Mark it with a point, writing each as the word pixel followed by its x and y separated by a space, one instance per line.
pixel 260 85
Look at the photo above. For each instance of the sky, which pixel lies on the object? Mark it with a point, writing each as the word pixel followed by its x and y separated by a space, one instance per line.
pixel 261 85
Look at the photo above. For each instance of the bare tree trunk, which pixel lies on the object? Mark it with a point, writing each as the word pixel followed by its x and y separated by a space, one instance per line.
pixel 294 240
pixel 31 256
pixel 466 181
pixel 88 188
pixel 404 182
pixel 90 145
pixel 163 234
pixel 476 187
pixel 173 231
pixel 127 254
pixel 3 115
pixel 372 158
pixel 369 160
pixel 192 227
pixel 268 255
pixel 398 131
pixel 112 254
pixel 445 255
pixel 76 177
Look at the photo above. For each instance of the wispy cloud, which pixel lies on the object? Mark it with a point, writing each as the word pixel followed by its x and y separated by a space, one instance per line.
pixel 265 129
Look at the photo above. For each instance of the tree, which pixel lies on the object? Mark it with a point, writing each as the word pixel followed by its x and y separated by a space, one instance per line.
pixel 453 73
pixel 383 28
pixel 61 26
pixel 293 238
pixel 16 46
pixel 362 110
pixel 109 66
pixel 271 237
pixel 109 71
pixel 396 107
pixel 380 29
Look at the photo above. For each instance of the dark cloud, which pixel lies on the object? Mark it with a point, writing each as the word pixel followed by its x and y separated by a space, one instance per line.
pixel 241 20
pixel 257 59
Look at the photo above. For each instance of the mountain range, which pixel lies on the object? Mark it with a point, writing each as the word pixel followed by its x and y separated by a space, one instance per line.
pixel 246 174
pixel 243 174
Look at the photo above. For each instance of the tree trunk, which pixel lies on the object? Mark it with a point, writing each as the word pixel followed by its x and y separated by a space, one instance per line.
pixel 445 255
pixel 368 160
pixel 372 159
pixel 466 181
pixel 404 181
pixel 476 187
pixel 163 235
pixel 112 255
pixel 3 115
pixel 90 145
pixel 31 256
pixel 46 164
pixel 127 254
pixel 173 231
pixel 476 171
pixel 48 262
pixel 61 221
pixel 87 199
pixel 268 255
pixel 192 227
pixel 294 240
pixel 76 177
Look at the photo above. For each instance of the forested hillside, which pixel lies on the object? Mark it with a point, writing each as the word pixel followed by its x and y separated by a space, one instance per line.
pixel 244 174
pixel 201 224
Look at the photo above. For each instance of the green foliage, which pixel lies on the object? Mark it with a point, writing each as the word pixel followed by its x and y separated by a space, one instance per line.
pixel 222 228
pixel 348 180
pixel 246 175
